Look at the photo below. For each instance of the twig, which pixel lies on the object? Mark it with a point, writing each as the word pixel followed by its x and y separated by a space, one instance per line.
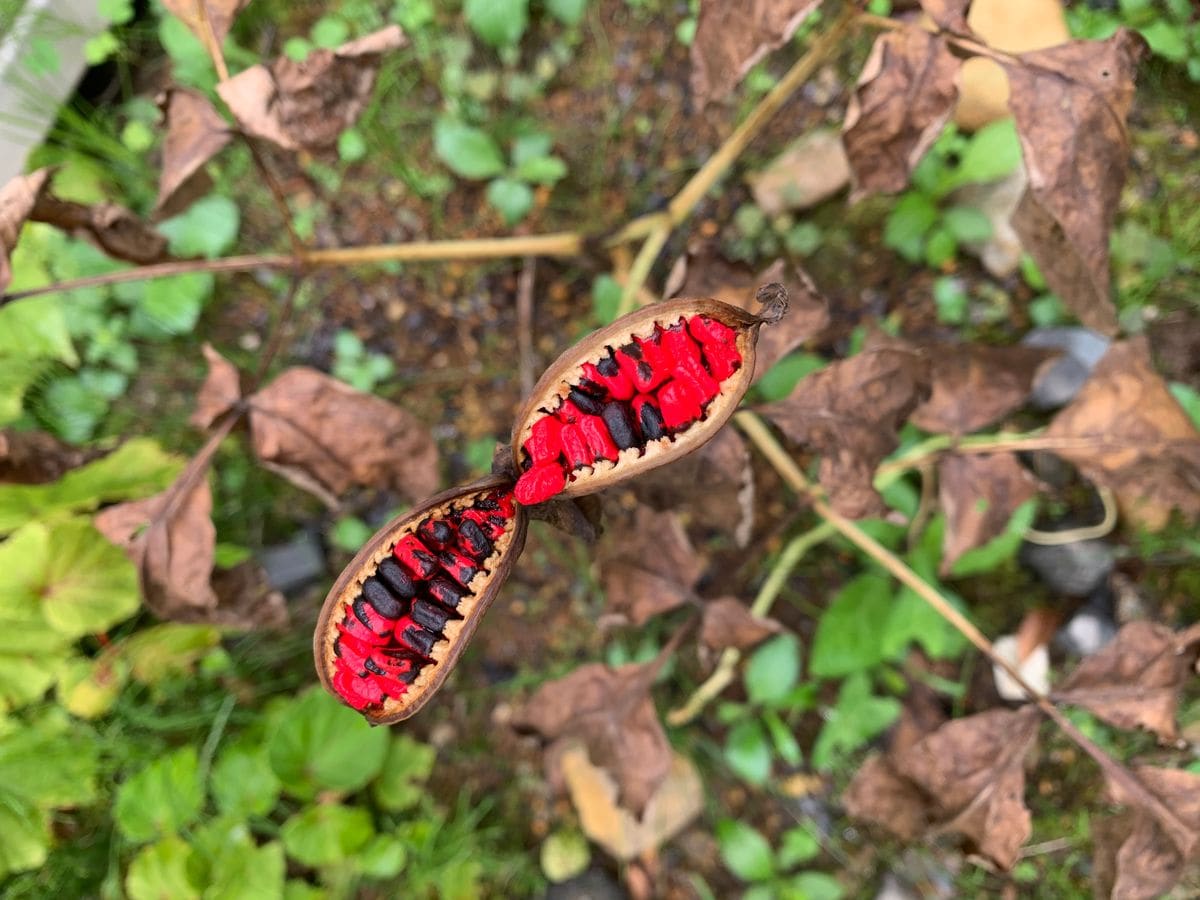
pixel 275 335
pixel 640 269
pixel 281 203
pixel 525 325
pixel 209 38
pixel 1084 532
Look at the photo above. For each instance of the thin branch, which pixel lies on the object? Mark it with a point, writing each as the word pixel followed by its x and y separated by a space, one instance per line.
pixel 1084 532
pixel 209 38
pixel 275 335
pixel 640 269
pixel 525 285
pixel 281 203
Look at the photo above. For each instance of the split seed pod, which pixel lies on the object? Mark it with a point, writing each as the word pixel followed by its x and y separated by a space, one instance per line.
pixel 400 615
pixel 647 390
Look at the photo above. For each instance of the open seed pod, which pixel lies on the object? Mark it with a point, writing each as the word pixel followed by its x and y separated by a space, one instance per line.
pixel 644 391
pixel 399 616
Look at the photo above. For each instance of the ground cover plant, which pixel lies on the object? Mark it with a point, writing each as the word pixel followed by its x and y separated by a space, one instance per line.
pixel 920 617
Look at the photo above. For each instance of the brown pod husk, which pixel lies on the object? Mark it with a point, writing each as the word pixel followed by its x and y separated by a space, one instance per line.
pixel 554 385
pixel 483 588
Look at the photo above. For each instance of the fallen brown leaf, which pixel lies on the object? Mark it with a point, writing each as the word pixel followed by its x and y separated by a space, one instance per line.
pixel 850 412
pixel 647 565
pixel 1070 104
pixel 36 457
pixel 246 600
pixel 810 169
pixel 1152 857
pixel 976 385
pixel 675 803
pixel 1135 681
pixel 879 795
pixel 973 771
pixel 1146 450
pixel 308 104
pixel 905 94
pixel 949 15
pixel 195 134
pixel 219 15
pixel 612 713
pixel 731 37
pixel 979 493
pixel 17 199
pixel 713 487
pixel 113 228
pixel 220 392
pixel 324 436
pixel 728 622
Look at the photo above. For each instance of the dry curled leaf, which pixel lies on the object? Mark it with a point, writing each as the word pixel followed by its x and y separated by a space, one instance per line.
pixel 701 272
pixel 879 795
pixel 1152 858
pixel 811 169
pixel 1135 681
pixel 1141 443
pixel 612 713
pixel 113 228
pixel 218 15
pixel 850 412
pixel 674 803
pixel 979 494
pixel 728 622
pixel 731 37
pixel 17 199
pixel 36 457
pixel 308 104
pixel 973 772
pixel 324 436
pixel 713 487
pixel 220 392
pixel 905 94
pixel 195 134
pixel 1070 104
pixel 648 566
pixel 975 385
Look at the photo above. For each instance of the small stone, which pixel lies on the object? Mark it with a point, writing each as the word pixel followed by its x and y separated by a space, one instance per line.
pixel 295 564
pixel 812 168
pixel 1060 382
pixel 1074 569
pixel 1086 633
pixel 591 885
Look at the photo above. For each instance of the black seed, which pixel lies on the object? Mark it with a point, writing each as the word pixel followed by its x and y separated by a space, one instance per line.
pixel 436 531
pixel 399 582
pixel 585 401
pixel 652 423
pixel 337 647
pixel 446 592
pixel 371 666
pixel 632 350
pixel 608 367
pixel 644 371
pixel 487 503
pixel 381 598
pixel 462 574
pixel 474 541
pixel 430 615
pixel 620 426
pixel 427 560
pixel 408 677
pixel 419 639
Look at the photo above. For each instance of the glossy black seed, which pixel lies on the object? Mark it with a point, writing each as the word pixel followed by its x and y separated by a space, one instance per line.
pixel 436 531
pixel 608 367
pixel 407 677
pixel 398 581
pixel 644 371
pixel 473 540
pixel 381 598
pixel 620 425
pixel 371 666
pixel 429 615
pixel 652 423
pixel 419 639
pixel 446 592
pixel 585 401
pixel 632 350
pixel 487 503
pixel 461 573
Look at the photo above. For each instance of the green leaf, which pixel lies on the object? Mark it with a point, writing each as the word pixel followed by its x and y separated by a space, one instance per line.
pixel 384 857
pixel 329 32
pixel 168 649
pixel 912 619
pixel 531 146
pixel 408 766
pixel 161 870
pixel 569 12
pixel 99 48
pixel 906 226
pixel 302 890
pixel 856 718
pixel 117 12
pixel 748 752
pixel 745 851
pixel 1167 40
pixel 798 845
pixel 940 247
pixel 26 834
pixel 781 379
pixel 812 886
pixel 50 762
pixel 499 23
pixel 967 224
pixel 467 151
pixel 1188 398
pixel 243 783
pixel 297 49
pixel 849 635
pixel 991 153
pixel 513 198
pixel 951 300
pixel 88 688
pixel 172 305
pixel 352 146
pixel 773 669
pixel 230 865
pixel 162 798
pixel 783 739
pixel 541 170
pixel 326 834
pixel 70 410
pixel 606 299
pixel 321 744
pixel 207 228
pixel 138 468
pixel 35 329
pixel 349 533
pixel 999 549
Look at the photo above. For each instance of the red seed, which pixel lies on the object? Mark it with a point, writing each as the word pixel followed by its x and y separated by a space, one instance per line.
pixel 718 345
pixel 391 687
pixel 413 637
pixel 680 404
pixel 722 361
pixel 435 532
pixel 599 441
pixel 459 566
pixel 369 616
pixel 540 484
pixel 709 331
pixel 649 418
pixel 575 447
pixel 415 556
pixel 358 692
pixel 608 375
pixel 351 626
pixel 641 372
pixel 491 523
pixel 545 443
pixel 687 361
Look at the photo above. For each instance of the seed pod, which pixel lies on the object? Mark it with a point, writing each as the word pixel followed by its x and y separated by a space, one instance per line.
pixel 650 388
pixel 399 616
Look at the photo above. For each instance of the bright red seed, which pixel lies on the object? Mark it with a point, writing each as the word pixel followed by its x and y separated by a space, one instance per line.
pixel 608 375
pixel 649 417
pixel 459 566
pixel 545 441
pixel 575 447
pixel 540 484
pixel 354 628
pixel 680 404
pixel 642 374
pixel 710 331
pixel 686 356
pixel 722 360
pixel 358 692
pixel 491 523
pixel 415 556
pixel 388 686
pixel 599 441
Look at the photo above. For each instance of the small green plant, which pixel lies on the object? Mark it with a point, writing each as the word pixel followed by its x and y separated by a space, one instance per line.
pixel 354 364
pixel 923 225
pixel 1170 27
pixel 474 154
pixel 753 236
pixel 771 874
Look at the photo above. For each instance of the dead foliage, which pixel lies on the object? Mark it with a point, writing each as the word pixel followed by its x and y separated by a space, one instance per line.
pixel 979 494
pixel 112 228
pixel 195 134
pixel 17 199
pixel 207 18
pixel 728 622
pixel 648 566
pixel 38 457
